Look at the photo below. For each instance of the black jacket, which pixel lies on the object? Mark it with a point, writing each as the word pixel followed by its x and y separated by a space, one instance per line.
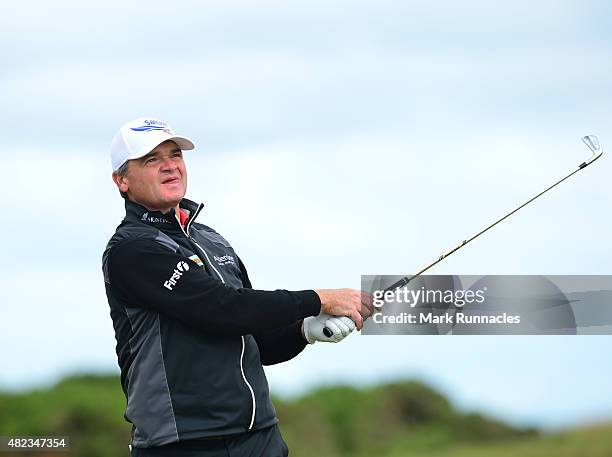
pixel 191 333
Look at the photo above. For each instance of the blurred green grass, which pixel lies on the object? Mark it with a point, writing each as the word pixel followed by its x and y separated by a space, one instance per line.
pixel 391 420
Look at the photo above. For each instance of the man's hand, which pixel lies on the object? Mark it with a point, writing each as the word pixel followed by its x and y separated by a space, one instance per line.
pixel 313 326
pixel 346 302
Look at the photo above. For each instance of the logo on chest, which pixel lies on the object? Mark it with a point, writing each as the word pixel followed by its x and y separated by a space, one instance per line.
pixel 224 260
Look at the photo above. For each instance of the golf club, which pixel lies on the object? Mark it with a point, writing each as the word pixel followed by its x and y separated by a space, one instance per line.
pixel 591 142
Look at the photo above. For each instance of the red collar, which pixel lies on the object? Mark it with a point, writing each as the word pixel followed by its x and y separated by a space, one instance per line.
pixel 183 217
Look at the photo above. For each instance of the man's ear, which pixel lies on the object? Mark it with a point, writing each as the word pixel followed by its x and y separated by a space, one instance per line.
pixel 121 182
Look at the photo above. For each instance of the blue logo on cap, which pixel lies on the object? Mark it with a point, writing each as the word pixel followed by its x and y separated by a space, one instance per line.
pixel 147 128
pixel 151 125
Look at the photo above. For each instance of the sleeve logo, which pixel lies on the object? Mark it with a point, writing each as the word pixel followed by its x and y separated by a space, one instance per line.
pixel 178 272
pixel 197 260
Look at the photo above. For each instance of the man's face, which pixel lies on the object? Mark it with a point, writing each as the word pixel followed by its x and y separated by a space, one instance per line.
pixel 158 180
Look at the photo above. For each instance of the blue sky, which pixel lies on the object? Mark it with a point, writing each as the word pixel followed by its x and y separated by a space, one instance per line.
pixel 332 141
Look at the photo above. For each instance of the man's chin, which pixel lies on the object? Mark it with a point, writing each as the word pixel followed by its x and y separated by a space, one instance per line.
pixel 174 199
pixel 170 201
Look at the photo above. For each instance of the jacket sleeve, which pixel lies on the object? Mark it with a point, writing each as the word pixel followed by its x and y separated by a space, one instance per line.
pixel 279 344
pixel 149 274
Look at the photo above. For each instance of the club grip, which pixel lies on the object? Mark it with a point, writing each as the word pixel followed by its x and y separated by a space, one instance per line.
pixel 327 332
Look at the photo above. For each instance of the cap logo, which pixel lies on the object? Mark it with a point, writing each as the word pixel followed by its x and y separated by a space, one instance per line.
pixel 152 125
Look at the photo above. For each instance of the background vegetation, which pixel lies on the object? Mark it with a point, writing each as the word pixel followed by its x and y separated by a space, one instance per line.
pixel 391 420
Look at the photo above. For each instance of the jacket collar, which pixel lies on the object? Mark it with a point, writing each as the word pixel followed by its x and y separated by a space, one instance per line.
pixel 162 221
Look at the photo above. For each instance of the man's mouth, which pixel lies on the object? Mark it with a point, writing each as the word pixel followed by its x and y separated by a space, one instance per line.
pixel 171 180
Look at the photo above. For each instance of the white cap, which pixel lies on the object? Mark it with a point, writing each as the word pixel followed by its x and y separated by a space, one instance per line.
pixel 140 136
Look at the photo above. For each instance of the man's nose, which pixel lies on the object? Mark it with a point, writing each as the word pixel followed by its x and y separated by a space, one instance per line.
pixel 167 163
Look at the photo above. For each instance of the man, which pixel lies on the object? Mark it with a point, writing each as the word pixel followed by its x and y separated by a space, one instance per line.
pixel 192 334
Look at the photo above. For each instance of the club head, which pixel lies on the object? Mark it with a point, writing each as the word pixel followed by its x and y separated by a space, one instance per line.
pixel 593 144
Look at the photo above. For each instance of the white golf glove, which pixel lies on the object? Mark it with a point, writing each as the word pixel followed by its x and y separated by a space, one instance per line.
pixel 341 326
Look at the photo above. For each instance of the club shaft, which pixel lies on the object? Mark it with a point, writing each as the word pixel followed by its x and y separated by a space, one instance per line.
pixel 406 279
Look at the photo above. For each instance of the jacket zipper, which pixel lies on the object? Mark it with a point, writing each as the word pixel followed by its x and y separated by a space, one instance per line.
pixel 186 232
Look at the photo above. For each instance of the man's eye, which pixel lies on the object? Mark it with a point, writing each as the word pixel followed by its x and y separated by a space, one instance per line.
pixel 151 160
